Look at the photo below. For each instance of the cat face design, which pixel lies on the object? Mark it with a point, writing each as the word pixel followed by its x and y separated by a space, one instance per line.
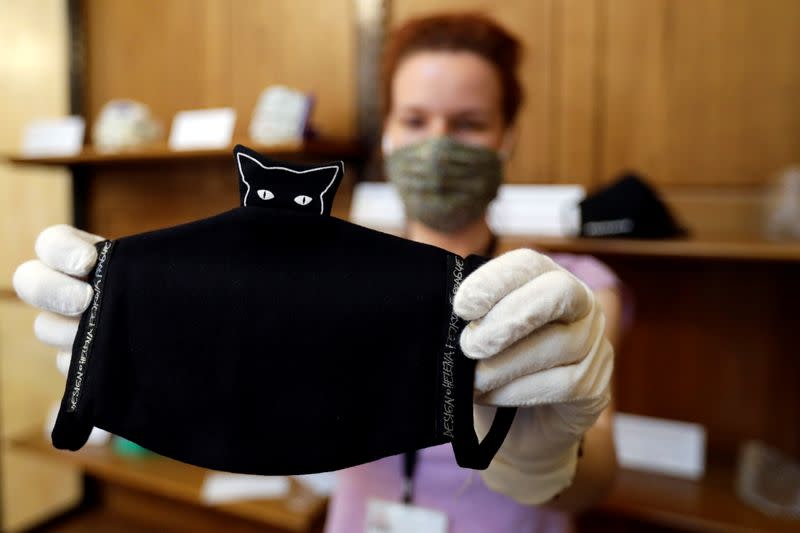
pixel 301 188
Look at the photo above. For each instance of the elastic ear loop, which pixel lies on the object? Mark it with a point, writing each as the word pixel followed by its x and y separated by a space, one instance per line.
pixel 469 451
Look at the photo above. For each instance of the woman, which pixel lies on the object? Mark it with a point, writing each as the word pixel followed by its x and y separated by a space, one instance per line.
pixel 538 331
pixel 450 97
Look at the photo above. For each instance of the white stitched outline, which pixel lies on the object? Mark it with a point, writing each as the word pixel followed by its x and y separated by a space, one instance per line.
pixel 256 161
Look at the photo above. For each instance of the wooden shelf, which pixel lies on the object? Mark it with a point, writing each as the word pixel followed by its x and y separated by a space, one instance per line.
pixel 753 249
pixel 702 248
pixel 162 153
pixel 707 505
pixel 166 478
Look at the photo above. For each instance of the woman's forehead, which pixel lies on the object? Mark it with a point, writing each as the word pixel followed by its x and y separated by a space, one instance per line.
pixel 445 81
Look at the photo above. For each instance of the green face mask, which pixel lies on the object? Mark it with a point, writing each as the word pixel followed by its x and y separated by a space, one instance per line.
pixel 444 183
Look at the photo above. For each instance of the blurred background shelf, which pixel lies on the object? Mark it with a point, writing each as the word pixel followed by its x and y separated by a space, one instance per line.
pixel 160 477
pixel 710 504
pixel 162 153
pixel 118 190
pixel 702 248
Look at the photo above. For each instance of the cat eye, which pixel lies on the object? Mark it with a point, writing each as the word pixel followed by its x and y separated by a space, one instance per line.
pixel 264 194
pixel 302 199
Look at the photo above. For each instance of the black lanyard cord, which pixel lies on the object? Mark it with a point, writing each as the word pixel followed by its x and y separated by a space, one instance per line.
pixel 409 468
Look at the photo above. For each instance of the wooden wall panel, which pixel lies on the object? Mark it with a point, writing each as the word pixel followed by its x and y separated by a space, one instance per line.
pixel 169 55
pixel 701 92
pixel 183 54
pixel 33 84
pixel 305 44
pixel 576 34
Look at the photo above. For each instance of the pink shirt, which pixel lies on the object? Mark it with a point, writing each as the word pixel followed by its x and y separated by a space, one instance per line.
pixel 439 483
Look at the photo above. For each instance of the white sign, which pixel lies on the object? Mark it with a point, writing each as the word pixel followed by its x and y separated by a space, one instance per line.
pixel 535 210
pixel 53 137
pixel 377 205
pixel 658 445
pixel 202 129
pixel 394 517
pixel 321 484
pixel 222 487
pixel 280 116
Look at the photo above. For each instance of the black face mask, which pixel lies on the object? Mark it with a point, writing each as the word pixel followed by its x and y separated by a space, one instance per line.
pixel 275 339
pixel 628 208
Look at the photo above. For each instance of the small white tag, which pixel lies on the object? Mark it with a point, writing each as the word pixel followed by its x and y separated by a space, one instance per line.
pixel 377 206
pixel 280 116
pixel 321 484
pixel 53 137
pixel 223 487
pixel 202 128
pixel 392 517
pixel 658 445
pixel 533 209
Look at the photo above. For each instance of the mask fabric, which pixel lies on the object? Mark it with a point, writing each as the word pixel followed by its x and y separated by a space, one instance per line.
pixel 444 183
pixel 275 339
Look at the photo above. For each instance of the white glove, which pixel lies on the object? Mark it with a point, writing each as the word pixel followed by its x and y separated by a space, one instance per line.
pixel 538 335
pixel 52 284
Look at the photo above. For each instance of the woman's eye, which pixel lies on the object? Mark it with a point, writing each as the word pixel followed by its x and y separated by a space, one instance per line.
pixel 413 122
pixel 302 199
pixel 470 125
pixel 264 194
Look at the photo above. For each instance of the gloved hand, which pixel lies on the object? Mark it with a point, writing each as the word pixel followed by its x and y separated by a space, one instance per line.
pixel 53 283
pixel 538 335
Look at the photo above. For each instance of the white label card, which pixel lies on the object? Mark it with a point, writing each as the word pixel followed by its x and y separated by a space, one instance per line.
pixel 53 137
pixel 224 487
pixel 392 517
pixel 657 445
pixel 202 128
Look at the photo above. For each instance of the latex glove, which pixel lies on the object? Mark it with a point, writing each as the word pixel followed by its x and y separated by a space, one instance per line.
pixel 538 335
pixel 54 284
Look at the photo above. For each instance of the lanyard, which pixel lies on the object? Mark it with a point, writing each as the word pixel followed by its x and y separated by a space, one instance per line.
pixel 409 469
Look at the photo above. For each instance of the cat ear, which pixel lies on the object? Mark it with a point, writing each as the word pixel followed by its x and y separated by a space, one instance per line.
pixel 247 169
pixel 329 176
pixel 268 179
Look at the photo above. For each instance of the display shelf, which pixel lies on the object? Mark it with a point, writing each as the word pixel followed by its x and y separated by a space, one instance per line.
pixel 162 153
pixel 166 478
pixel 710 504
pixel 701 248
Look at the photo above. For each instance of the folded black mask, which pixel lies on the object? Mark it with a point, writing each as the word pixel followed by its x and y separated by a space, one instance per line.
pixel 275 339
pixel 628 208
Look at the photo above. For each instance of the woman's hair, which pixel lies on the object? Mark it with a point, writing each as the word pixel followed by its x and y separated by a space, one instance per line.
pixel 464 32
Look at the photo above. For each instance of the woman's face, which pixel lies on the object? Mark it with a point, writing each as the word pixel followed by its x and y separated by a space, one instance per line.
pixel 443 93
